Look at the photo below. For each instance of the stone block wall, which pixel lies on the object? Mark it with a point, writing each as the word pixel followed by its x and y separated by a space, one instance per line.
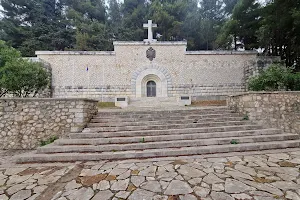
pixel 105 75
pixel 270 109
pixel 25 122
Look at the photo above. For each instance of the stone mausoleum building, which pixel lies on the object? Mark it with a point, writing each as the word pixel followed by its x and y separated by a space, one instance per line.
pixel 148 69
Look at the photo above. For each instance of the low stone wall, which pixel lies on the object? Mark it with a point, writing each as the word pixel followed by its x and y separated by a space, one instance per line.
pixel 108 93
pixel 270 109
pixel 25 122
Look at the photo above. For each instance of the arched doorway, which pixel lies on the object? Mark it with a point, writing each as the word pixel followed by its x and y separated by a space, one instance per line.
pixel 151 89
pixel 161 78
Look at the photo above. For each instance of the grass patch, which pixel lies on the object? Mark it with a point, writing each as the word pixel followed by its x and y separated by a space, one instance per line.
pixel 246 117
pixel 48 141
pixel 263 180
pixel 106 105
pixel 234 142
pixel 209 103
pixel 287 164
pixel 142 140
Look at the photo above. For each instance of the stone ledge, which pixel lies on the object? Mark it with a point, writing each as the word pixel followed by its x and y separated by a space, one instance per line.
pixel 158 43
pixel 106 53
pixel 266 92
pixel 48 99
pixel 221 53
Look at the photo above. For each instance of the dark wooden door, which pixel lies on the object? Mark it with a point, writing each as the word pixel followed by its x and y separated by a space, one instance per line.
pixel 151 89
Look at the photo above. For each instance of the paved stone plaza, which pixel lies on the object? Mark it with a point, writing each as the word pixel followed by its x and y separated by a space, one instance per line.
pixel 267 176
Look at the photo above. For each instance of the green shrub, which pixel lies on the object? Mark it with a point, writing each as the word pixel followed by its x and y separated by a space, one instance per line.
pixel 234 142
pixel 19 76
pixel 246 117
pixel 293 81
pixel 276 77
pixel 48 141
pixel 24 78
pixel 106 104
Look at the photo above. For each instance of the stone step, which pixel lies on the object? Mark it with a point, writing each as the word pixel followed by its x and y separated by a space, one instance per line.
pixel 174 110
pixel 165 152
pixel 98 123
pixel 164 127
pixel 152 103
pixel 163 113
pixel 164 144
pixel 163 132
pixel 138 139
pixel 157 115
pixel 159 118
pixel 153 106
pixel 162 99
pixel 146 116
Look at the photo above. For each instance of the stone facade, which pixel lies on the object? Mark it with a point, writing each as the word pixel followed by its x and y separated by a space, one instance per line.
pixel 126 71
pixel 25 122
pixel 271 109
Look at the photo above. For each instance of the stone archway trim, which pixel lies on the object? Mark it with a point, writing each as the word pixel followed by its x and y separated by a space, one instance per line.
pixel 141 73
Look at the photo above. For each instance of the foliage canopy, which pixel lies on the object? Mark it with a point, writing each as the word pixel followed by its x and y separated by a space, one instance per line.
pixel 276 77
pixel 19 76
pixel 30 25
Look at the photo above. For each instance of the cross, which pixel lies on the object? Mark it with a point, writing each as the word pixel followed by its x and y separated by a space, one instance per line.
pixel 149 26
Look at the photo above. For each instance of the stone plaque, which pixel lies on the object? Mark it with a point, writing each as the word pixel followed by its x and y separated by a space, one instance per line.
pixel 121 99
pixel 150 53
pixel 185 98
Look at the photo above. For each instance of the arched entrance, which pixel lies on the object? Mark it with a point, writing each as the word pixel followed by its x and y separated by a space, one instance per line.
pixel 151 89
pixel 151 86
pixel 160 78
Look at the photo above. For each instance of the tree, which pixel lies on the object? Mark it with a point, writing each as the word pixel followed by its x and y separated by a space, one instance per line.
pixel 279 31
pixel 134 15
pixel 7 54
pixel 31 25
pixel 177 20
pixel 212 19
pixel 89 18
pixel 229 6
pixel 191 26
pixel 242 26
pixel 114 20
pixel 19 76
pixel 23 78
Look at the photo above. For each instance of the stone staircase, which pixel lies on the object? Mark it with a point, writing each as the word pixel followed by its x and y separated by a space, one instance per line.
pixel 162 133
pixel 154 102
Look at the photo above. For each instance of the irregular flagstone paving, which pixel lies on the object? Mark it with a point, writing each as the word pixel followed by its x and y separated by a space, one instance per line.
pixel 250 177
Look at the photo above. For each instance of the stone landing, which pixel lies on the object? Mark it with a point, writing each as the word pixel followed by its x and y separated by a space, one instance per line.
pixel 263 175
pixel 154 103
pixel 163 133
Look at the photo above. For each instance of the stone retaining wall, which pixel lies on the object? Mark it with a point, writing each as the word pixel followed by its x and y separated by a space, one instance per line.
pixel 108 94
pixel 270 109
pixel 25 122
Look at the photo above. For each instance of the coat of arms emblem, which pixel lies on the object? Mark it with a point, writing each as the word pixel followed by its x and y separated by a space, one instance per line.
pixel 150 53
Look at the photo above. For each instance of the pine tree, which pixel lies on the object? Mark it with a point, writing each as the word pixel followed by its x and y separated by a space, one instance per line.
pixel 36 25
